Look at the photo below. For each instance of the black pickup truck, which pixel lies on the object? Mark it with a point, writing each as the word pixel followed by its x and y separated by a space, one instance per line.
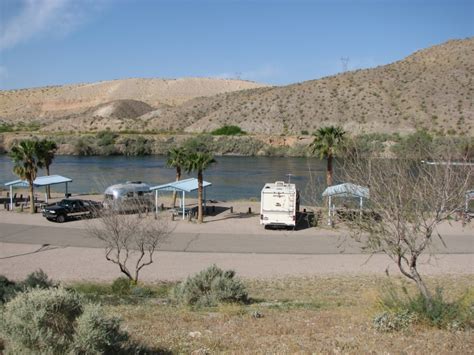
pixel 71 208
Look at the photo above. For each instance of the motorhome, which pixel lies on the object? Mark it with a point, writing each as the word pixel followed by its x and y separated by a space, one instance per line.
pixel 129 197
pixel 279 204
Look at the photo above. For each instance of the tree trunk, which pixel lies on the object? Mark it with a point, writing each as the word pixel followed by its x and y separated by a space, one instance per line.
pixel 200 215
pixel 48 188
pixel 329 170
pixel 178 177
pixel 32 198
pixel 421 286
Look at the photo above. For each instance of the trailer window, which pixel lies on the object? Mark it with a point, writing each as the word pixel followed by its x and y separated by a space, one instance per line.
pixel 129 194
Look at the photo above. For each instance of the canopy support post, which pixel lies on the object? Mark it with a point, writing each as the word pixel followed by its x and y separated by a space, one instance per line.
pixel 11 198
pixel 183 201
pixel 329 211
pixel 156 203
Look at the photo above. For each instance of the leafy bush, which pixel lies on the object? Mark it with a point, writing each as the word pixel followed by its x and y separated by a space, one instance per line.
pixel 228 131
pixel 56 321
pixel 210 287
pixel 121 286
pixel 96 334
pixel 41 320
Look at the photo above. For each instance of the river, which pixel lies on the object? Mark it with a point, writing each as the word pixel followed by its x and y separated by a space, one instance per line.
pixel 232 177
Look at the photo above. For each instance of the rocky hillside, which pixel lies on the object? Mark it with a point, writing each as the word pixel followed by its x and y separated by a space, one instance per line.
pixel 431 89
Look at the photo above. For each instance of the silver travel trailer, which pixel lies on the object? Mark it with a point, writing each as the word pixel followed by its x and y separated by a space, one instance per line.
pixel 280 201
pixel 131 196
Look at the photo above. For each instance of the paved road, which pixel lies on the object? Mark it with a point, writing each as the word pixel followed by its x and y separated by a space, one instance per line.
pixel 277 243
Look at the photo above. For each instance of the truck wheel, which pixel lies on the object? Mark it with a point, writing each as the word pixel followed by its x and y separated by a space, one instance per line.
pixel 61 218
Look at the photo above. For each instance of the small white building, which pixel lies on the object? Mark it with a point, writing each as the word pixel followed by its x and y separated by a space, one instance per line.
pixel 279 204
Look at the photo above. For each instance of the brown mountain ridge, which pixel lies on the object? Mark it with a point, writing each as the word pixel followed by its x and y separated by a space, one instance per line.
pixel 431 89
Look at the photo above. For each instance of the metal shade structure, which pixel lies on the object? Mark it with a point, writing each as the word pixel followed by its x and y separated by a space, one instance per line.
pixel 345 190
pixel 38 182
pixel 183 186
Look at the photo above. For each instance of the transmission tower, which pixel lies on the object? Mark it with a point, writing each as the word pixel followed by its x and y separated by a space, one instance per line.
pixel 345 63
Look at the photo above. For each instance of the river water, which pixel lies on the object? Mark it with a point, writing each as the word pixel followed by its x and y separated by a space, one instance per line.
pixel 232 177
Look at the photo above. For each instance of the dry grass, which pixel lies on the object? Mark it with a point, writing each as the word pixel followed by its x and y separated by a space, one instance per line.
pixel 327 314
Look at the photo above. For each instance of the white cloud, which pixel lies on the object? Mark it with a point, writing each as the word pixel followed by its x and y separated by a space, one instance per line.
pixel 39 17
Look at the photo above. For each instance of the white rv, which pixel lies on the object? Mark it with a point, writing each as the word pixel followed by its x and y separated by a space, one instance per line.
pixel 279 204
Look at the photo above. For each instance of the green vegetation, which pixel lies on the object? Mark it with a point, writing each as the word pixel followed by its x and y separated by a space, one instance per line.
pixel 228 131
pixel 37 279
pixel 402 309
pixel 20 127
pixel 327 143
pixel 321 314
pixel 57 321
pixel 26 159
pixel 211 287
pixel 199 161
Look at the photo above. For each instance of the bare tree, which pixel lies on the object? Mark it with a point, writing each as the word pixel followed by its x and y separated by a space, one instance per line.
pixel 130 241
pixel 410 198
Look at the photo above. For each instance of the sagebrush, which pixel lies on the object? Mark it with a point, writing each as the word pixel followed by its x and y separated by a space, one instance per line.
pixel 210 287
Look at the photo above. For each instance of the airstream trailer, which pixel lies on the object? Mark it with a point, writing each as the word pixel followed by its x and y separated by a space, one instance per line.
pixel 129 197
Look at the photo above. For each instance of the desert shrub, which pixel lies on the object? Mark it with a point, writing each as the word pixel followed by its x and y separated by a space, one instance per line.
pixel 458 314
pixel 121 286
pixel 388 322
pixel 41 320
pixel 228 131
pixel 137 146
pixel 414 146
pixel 83 146
pixel 105 138
pixel 56 321
pixel 38 279
pixel 97 334
pixel 8 289
pixel 210 287
pixel 199 143
pixel 142 292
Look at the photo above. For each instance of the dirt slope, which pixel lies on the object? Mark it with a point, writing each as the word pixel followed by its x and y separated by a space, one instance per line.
pixel 62 101
pixel 432 89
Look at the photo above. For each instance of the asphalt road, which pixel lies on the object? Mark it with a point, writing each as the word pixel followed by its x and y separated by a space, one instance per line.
pixel 277 243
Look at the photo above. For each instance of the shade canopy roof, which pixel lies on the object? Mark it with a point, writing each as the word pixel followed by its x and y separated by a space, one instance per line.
pixel 187 185
pixel 41 181
pixel 347 190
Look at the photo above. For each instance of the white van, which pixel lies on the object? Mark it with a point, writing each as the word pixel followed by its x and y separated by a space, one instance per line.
pixel 279 204
pixel 132 196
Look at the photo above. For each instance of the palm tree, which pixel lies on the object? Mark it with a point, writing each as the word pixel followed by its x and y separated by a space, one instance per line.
pixel 326 144
pixel 47 150
pixel 177 159
pixel 26 164
pixel 199 161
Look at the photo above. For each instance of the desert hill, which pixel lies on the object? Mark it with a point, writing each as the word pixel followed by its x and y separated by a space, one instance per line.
pixel 431 89
pixel 52 102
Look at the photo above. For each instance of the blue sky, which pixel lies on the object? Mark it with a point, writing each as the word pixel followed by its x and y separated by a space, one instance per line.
pixel 49 42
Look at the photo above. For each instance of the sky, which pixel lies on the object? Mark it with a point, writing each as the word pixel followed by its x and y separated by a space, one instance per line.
pixel 55 42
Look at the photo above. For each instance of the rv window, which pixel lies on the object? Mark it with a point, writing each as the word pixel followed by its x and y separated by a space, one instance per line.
pixel 109 197
pixel 129 194
pixel 140 193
